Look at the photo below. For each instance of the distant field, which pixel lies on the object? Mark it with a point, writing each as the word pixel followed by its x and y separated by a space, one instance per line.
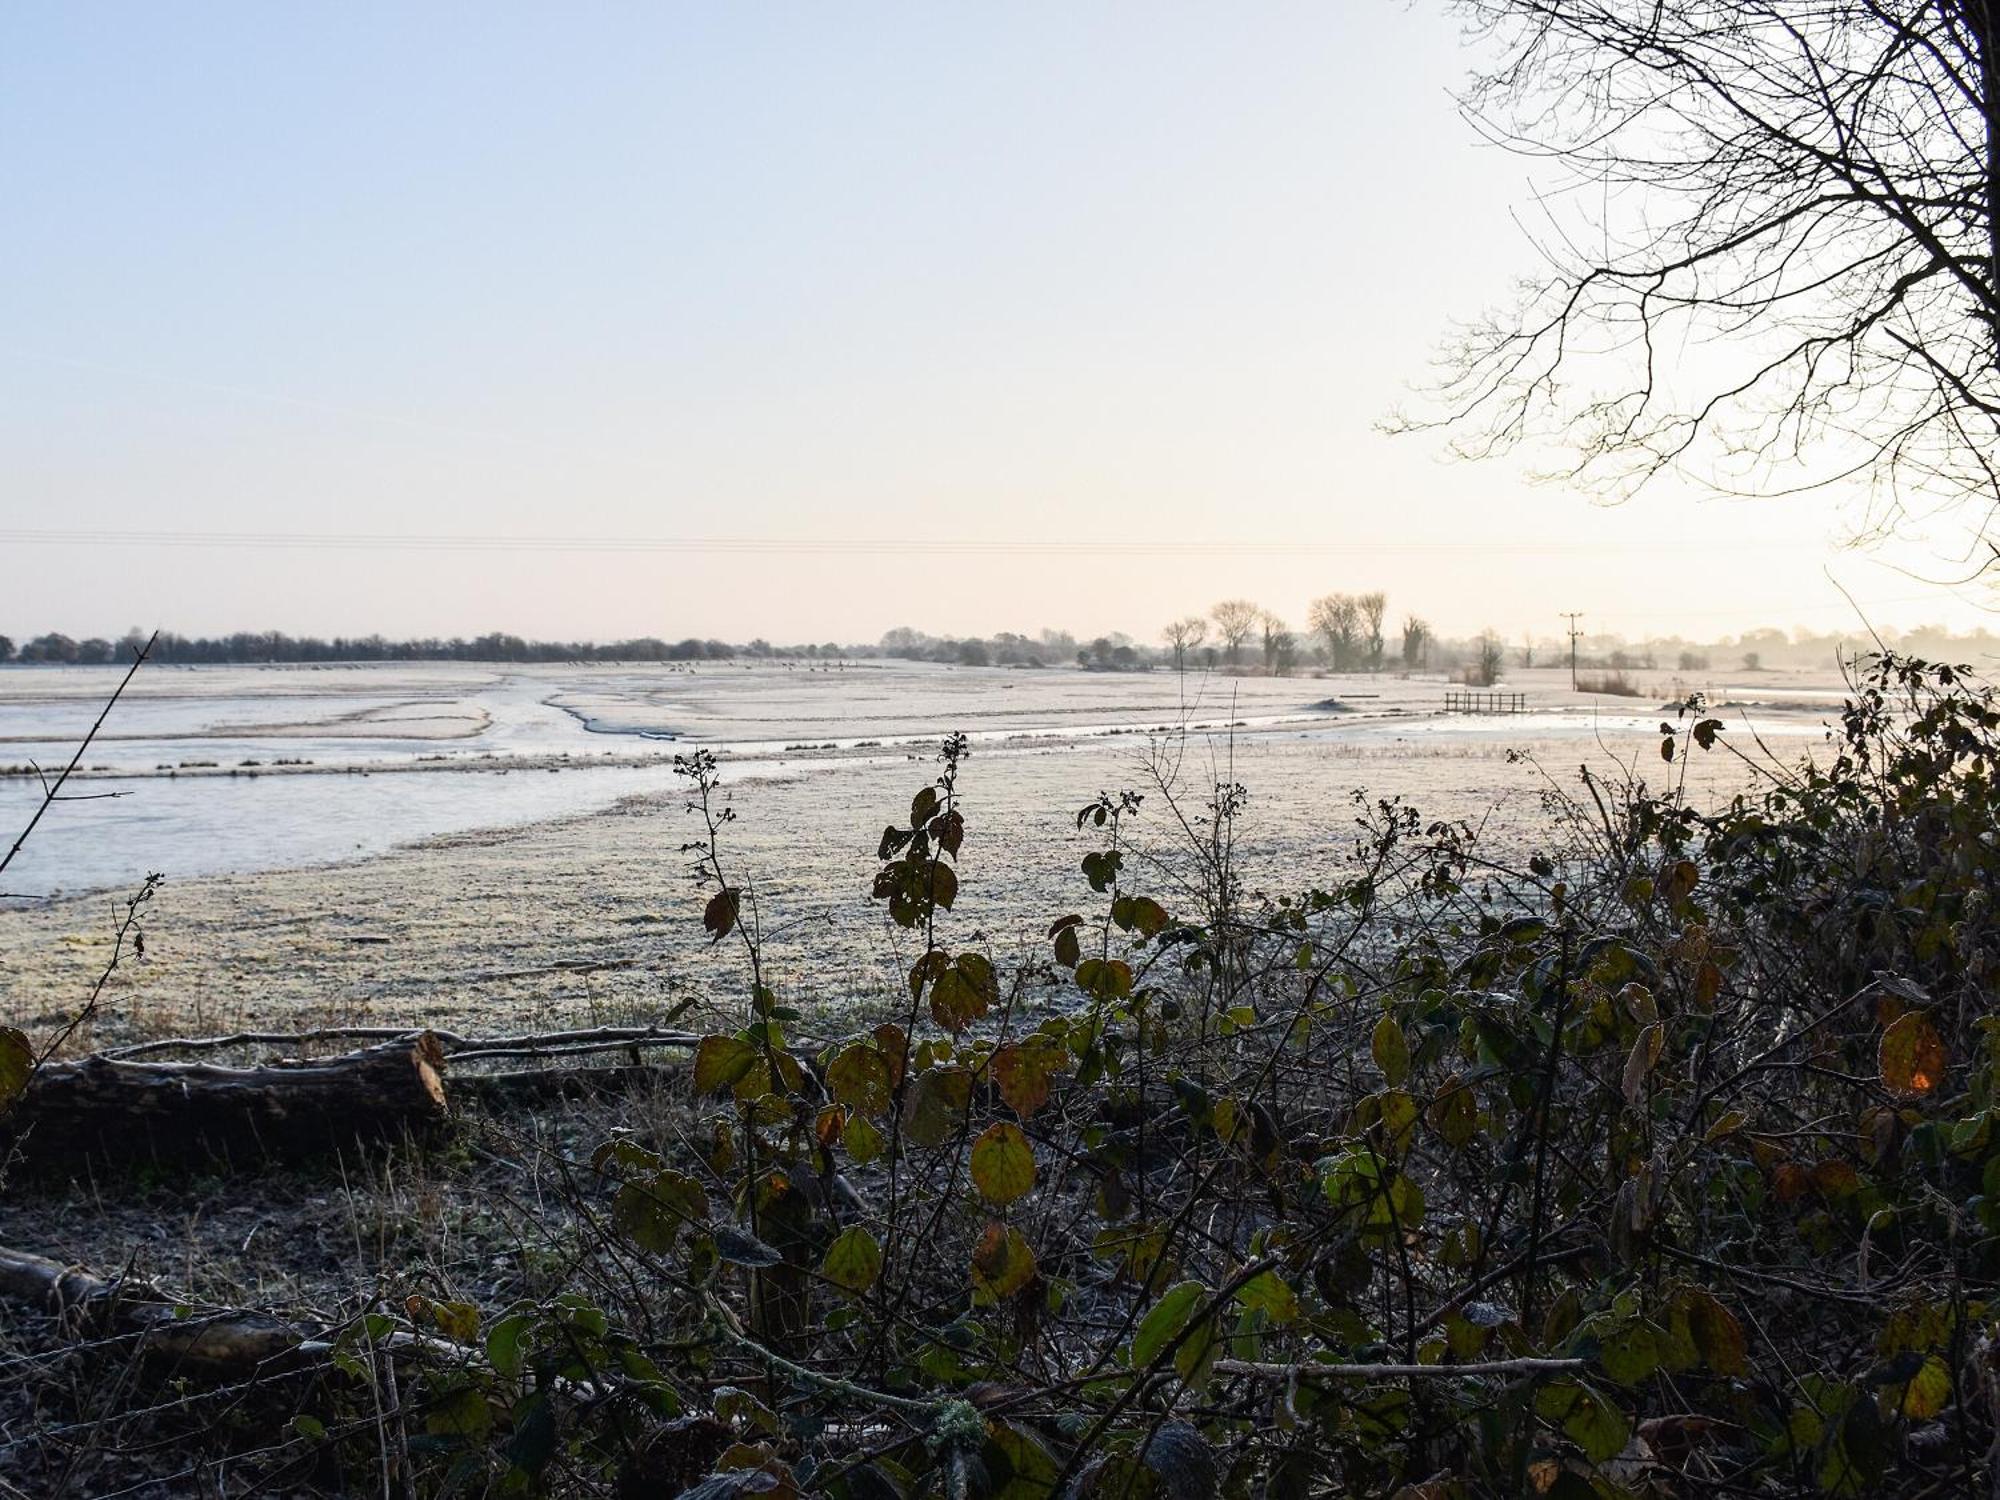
pixel 331 854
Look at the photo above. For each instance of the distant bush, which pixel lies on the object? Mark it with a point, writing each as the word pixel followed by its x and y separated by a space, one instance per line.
pixel 1610 684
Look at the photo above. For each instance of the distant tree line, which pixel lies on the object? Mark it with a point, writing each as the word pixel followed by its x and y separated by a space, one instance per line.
pixel 254 646
pixel 1345 633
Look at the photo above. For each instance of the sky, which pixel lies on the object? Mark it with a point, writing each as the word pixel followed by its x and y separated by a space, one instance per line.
pixel 438 319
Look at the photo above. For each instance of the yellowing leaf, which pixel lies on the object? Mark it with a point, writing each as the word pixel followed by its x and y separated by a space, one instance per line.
pixel 1021 1071
pixel 1002 1263
pixel 1003 1163
pixel 1104 979
pixel 17 1064
pixel 859 1078
pixel 1645 1052
pixel 1912 1056
pixel 721 1062
pixel 1707 983
pixel 1454 1113
pixel 652 1211
pixel 964 992
pixel 1928 1391
pixel 1716 1333
pixel 1727 1124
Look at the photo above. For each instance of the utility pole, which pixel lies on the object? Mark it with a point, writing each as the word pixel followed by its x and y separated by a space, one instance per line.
pixel 1572 616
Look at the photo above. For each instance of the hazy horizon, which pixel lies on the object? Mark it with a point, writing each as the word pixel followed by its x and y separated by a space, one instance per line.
pixel 1103 306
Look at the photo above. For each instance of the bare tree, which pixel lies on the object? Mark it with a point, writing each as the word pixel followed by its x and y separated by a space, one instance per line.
pixel 1527 649
pixel 1336 620
pixel 1235 619
pixel 1805 192
pixel 1277 641
pixel 1373 607
pixel 1416 642
pixel 1183 636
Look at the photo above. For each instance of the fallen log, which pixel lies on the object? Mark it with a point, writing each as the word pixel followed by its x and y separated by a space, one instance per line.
pixel 91 1307
pixel 128 1112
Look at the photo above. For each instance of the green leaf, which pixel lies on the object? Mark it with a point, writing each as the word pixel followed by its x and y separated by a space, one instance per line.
pixel 1587 1419
pixel 503 1343
pixel 1269 1293
pixel 1629 1352
pixel 937 1105
pixel 1454 1113
pixel 1392 1051
pixel 651 1212
pixel 1003 1163
pixel 1100 868
pixel 853 1261
pixel 1164 1319
pixel 1027 1470
pixel 463 1413
pixel 863 1141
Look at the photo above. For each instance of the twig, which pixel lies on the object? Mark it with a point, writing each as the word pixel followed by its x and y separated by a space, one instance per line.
pixel 1527 1365
pixel 50 789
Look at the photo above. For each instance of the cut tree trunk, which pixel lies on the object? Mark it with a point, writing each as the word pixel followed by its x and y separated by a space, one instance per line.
pixel 131 1112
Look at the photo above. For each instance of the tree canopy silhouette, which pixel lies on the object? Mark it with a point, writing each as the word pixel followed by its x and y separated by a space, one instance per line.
pixel 1772 246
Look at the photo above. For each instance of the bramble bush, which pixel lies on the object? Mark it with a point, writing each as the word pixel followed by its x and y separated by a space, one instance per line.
pixel 1663 1164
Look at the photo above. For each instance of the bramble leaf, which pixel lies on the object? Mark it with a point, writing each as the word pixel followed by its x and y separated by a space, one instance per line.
pixel 1392 1051
pixel 1002 1262
pixel 853 1260
pixel 719 916
pixel 1003 1163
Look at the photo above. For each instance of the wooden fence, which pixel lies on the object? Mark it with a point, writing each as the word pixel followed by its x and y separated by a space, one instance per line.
pixel 1473 701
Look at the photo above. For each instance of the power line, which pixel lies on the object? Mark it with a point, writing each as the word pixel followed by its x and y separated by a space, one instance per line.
pixel 798 546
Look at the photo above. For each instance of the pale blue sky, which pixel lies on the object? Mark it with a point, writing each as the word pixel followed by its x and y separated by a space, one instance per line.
pixel 997 273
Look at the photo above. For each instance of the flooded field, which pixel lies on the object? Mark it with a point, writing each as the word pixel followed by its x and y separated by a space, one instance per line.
pixel 432 843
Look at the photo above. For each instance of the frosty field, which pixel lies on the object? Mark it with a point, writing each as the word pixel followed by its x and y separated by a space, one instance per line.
pixel 432 843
